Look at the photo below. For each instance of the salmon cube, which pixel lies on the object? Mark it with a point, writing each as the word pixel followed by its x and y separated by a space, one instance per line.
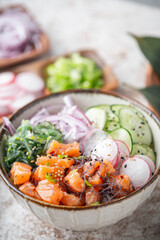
pixel 74 181
pixel 70 149
pixel 92 195
pixel 28 188
pixel 71 200
pixel 49 192
pixel 55 171
pixel 20 172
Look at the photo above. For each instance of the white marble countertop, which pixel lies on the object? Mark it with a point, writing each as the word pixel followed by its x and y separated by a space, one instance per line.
pixel 102 25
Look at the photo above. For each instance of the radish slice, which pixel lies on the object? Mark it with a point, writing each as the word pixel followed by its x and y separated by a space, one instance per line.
pixel 106 149
pixel 123 153
pixel 30 82
pixel 9 91
pixel 20 102
pixel 138 171
pixel 6 78
pixel 4 109
pixel 149 161
pixel 90 140
pixel 98 144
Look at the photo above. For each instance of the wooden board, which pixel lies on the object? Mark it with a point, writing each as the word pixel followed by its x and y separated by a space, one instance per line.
pixel 44 42
pixel 38 67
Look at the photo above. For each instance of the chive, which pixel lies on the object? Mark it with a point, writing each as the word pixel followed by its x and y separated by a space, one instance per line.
pixel 88 184
pixel 73 171
pixel 96 203
pixel 62 156
pixel 48 164
pixel 50 178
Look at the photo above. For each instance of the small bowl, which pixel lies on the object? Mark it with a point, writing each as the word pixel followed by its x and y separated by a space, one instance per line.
pixel 84 218
pixel 34 53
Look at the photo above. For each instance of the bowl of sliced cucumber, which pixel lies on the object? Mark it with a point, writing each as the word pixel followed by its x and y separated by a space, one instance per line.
pixel 107 128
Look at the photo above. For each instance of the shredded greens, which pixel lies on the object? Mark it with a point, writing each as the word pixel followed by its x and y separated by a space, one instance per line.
pixel 30 141
pixel 72 73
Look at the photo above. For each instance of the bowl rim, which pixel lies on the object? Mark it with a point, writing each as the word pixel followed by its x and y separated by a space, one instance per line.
pixel 153 115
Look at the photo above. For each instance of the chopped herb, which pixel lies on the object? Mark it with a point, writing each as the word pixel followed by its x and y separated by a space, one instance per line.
pixel 50 178
pixel 48 164
pixel 62 156
pixel 96 203
pixel 88 184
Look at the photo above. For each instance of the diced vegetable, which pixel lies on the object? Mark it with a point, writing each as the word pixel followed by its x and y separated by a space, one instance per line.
pixel 73 72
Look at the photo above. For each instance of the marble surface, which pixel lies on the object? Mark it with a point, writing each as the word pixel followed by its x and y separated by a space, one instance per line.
pixel 103 25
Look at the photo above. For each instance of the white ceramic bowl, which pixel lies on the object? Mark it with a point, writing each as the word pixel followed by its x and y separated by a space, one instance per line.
pixel 85 217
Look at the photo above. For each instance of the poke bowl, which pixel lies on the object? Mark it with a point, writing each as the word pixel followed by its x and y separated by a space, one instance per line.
pixel 87 217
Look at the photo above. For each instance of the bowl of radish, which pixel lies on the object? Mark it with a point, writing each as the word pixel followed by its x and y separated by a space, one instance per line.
pixel 81 159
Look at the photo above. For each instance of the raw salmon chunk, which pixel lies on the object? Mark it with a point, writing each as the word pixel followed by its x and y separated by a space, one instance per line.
pixel 71 200
pixel 29 189
pixel 92 195
pixel 55 161
pixel 74 181
pixel 20 172
pixel 109 168
pixel 70 149
pixel 121 184
pixel 49 192
pixel 56 172
pixel 90 168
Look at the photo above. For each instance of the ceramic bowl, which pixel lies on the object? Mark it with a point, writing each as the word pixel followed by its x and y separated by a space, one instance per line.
pixel 85 217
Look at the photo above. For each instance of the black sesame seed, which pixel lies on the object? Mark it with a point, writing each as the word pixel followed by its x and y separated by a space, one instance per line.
pixel 137 134
pixel 122 157
pixel 133 129
pixel 115 125
pixel 113 111
pixel 139 126
pixel 142 134
pixel 125 165
pixel 138 151
pixel 143 123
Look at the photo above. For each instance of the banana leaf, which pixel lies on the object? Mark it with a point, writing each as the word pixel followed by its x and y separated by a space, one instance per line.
pixel 150 46
pixel 152 93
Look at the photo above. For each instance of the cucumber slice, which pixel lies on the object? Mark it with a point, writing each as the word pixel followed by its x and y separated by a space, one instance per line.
pixel 110 126
pixel 111 116
pixel 138 128
pixel 124 136
pixel 97 116
pixel 116 109
pixel 141 149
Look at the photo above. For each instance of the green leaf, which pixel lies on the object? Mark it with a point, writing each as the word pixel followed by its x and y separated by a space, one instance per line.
pixel 88 184
pixel 150 46
pixel 152 93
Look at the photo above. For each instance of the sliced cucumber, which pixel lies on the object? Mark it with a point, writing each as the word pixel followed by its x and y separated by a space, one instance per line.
pixel 141 149
pixel 110 126
pixel 97 116
pixel 124 136
pixel 116 109
pixel 111 116
pixel 138 128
